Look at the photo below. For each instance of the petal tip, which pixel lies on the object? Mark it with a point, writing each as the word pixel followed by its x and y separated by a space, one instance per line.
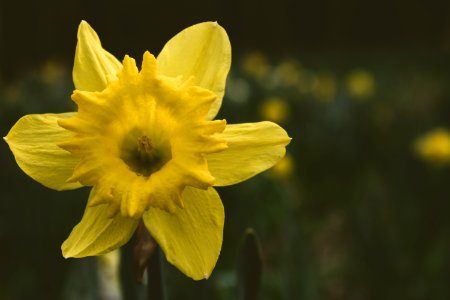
pixel 148 55
pixel 148 67
pixel 129 67
pixel 83 26
pixel 65 252
pixel 214 23
pixel 148 59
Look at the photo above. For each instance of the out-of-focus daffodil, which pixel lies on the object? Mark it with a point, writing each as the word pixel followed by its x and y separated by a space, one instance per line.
pixel 324 87
pixel 360 84
pixel 288 72
pixel 434 147
pixel 274 109
pixel 284 168
pixel 146 143
pixel 256 64
pixel 53 70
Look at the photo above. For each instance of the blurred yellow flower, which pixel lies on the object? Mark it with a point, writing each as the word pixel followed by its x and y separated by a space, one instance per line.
pixel 434 147
pixel 324 87
pixel 146 142
pixel 256 64
pixel 284 168
pixel 53 70
pixel 360 84
pixel 274 109
pixel 288 72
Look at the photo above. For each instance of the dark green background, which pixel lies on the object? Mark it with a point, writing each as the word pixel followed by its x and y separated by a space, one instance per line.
pixel 32 31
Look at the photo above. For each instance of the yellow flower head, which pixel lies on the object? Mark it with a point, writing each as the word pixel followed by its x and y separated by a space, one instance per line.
pixel 324 87
pixel 256 64
pixel 138 147
pixel 289 72
pixel 52 71
pixel 360 84
pixel 146 142
pixel 434 147
pixel 284 168
pixel 275 109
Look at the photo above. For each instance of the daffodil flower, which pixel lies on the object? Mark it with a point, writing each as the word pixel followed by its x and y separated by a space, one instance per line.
pixel 147 144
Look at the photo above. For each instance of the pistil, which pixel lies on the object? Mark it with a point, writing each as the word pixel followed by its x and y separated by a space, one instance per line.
pixel 144 145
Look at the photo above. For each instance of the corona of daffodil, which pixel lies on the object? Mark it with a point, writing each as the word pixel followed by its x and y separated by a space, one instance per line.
pixel 146 142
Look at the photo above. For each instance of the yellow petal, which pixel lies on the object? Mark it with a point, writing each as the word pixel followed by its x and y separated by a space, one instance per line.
pixel 202 51
pixel 93 64
pixel 33 141
pixel 98 233
pixel 191 238
pixel 252 148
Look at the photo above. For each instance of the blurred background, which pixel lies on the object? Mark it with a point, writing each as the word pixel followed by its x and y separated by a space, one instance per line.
pixel 358 208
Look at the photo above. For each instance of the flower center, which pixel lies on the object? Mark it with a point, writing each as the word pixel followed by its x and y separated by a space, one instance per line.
pixel 140 154
pixel 143 139
pixel 144 145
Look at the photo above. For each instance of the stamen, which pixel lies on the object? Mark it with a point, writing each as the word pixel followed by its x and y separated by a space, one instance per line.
pixel 142 155
pixel 144 145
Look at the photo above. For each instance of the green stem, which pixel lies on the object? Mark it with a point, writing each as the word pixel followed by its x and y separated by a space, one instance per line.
pixel 154 277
